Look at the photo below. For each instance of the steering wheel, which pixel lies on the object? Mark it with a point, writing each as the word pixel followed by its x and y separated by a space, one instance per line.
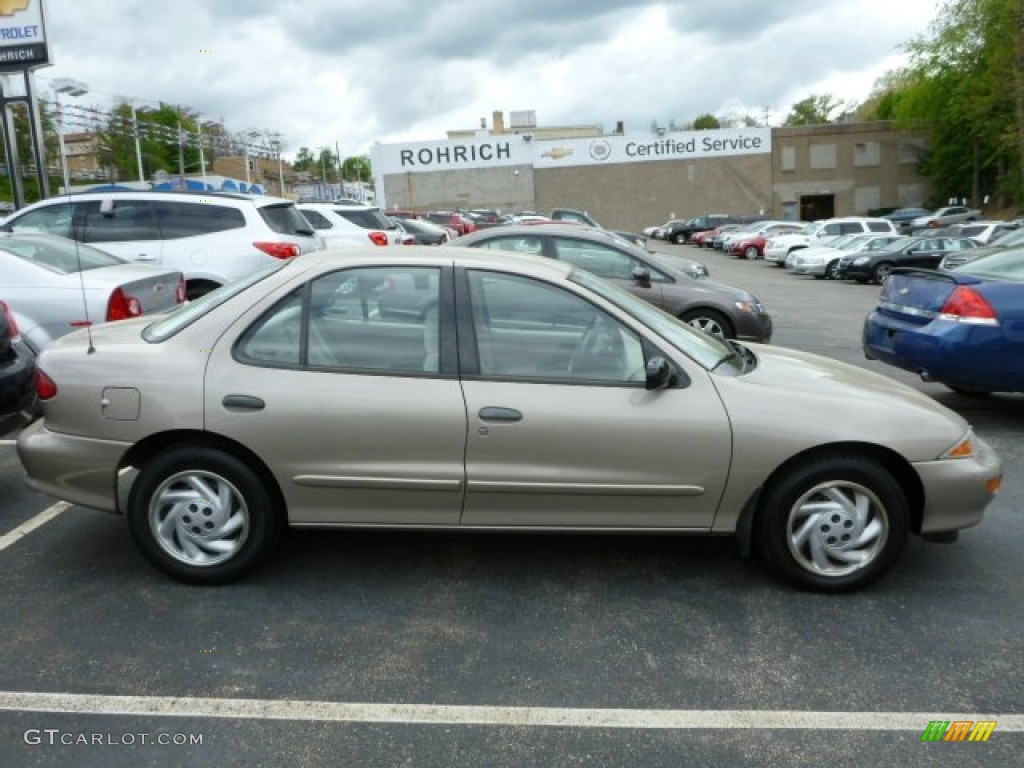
pixel 600 349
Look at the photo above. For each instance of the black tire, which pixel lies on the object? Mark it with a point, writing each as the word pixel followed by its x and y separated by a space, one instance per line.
pixel 832 270
pixel 751 253
pixel 708 320
pixel 794 505
pixel 679 238
pixel 880 273
pixel 242 518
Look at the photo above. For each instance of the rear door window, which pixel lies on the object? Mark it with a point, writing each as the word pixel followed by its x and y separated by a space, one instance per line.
pixel 189 219
pixel 368 219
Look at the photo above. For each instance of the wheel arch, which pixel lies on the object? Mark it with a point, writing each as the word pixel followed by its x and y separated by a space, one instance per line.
pixel 902 471
pixel 154 444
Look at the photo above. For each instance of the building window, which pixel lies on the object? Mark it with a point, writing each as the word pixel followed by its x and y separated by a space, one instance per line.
pixel 788 159
pixel 867 154
pixel 823 157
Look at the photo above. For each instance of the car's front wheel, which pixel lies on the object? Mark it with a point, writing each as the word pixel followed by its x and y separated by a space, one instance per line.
pixel 881 272
pixel 709 321
pixel 751 252
pixel 835 523
pixel 679 238
pixel 201 515
pixel 832 270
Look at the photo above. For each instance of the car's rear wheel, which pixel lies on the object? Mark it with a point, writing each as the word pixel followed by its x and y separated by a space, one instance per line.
pixel 835 523
pixel 679 238
pixel 751 252
pixel 201 515
pixel 710 321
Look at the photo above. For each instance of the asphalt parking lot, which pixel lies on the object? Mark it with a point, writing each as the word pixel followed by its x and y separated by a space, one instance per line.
pixel 385 649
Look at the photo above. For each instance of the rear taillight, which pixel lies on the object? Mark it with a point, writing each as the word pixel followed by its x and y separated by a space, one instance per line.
pixel 378 238
pixel 12 324
pixel 179 291
pixel 966 305
pixel 121 306
pixel 46 388
pixel 279 250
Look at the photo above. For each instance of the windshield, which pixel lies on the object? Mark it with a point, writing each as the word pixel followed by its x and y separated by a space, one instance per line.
pixel 708 351
pixel 812 228
pixel 186 314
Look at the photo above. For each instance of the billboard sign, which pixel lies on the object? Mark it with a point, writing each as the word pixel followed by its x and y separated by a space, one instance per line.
pixel 22 35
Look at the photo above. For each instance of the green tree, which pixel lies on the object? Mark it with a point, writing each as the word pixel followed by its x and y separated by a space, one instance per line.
pixel 706 122
pixel 956 87
pixel 815 110
pixel 357 168
pixel 168 139
pixel 304 160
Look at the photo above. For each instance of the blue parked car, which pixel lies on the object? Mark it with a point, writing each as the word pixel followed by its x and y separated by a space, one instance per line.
pixel 963 328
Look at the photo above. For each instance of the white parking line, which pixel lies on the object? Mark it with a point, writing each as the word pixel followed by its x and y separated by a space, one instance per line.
pixel 28 526
pixel 429 714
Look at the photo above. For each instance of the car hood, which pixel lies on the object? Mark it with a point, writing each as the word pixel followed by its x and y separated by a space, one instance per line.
pixel 796 397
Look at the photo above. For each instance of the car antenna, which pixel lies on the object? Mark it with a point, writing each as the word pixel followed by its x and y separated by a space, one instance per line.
pixel 78 258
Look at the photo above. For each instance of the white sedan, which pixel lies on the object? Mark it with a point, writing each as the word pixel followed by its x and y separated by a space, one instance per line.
pixel 822 261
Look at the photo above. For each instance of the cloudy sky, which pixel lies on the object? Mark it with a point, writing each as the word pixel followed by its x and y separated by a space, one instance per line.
pixel 352 72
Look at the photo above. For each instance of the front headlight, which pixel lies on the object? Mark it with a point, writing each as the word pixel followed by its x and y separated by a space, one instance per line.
pixel 753 306
pixel 861 261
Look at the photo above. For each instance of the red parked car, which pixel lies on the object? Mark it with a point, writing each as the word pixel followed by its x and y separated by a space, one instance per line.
pixel 698 238
pixel 452 220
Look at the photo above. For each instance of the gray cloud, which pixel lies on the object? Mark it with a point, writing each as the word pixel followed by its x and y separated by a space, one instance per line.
pixel 340 70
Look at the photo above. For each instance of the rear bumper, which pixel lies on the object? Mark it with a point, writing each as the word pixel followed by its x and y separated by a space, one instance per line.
pixel 956 491
pixel 76 469
pixel 968 356
pixel 18 404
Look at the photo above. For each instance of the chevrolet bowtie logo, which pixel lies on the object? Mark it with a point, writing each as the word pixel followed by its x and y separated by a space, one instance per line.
pixel 11 7
pixel 558 153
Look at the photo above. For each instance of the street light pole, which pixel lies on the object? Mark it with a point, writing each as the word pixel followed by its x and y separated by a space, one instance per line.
pixel 71 88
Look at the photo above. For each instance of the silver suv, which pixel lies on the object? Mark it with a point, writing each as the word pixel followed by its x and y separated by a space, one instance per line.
pixel 212 238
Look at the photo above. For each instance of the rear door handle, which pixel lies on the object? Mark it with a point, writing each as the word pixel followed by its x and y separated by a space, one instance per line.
pixel 243 402
pixel 145 257
pixel 494 413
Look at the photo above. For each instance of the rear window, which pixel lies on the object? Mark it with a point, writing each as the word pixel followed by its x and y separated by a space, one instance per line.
pixel 368 219
pixel 63 256
pixel 285 219
pixel 879 226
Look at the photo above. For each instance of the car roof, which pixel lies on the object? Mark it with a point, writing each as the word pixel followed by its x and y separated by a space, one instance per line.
pixel 158 194
pixel 441 256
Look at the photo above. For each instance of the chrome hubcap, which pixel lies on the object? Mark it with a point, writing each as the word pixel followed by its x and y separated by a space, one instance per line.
pixel 837 528
pixel 708 325
pixel 199 518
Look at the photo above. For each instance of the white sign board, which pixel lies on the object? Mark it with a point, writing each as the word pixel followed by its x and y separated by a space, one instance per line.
pixel 514 149
pixel 22 35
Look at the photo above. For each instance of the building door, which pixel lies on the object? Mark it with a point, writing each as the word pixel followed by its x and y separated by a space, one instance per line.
pixel 814 207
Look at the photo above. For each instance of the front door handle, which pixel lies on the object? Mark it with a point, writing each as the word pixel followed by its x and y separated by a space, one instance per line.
pixel 244 402
pixel 494 413
pixel 145 257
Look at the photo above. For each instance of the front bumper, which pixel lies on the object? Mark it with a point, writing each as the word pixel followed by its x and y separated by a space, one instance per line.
pixel 754 326
pixel 956 491
pixel 81 470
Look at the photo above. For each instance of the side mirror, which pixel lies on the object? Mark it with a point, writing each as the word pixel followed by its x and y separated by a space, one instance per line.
pixel 642 276
pixel 659 373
